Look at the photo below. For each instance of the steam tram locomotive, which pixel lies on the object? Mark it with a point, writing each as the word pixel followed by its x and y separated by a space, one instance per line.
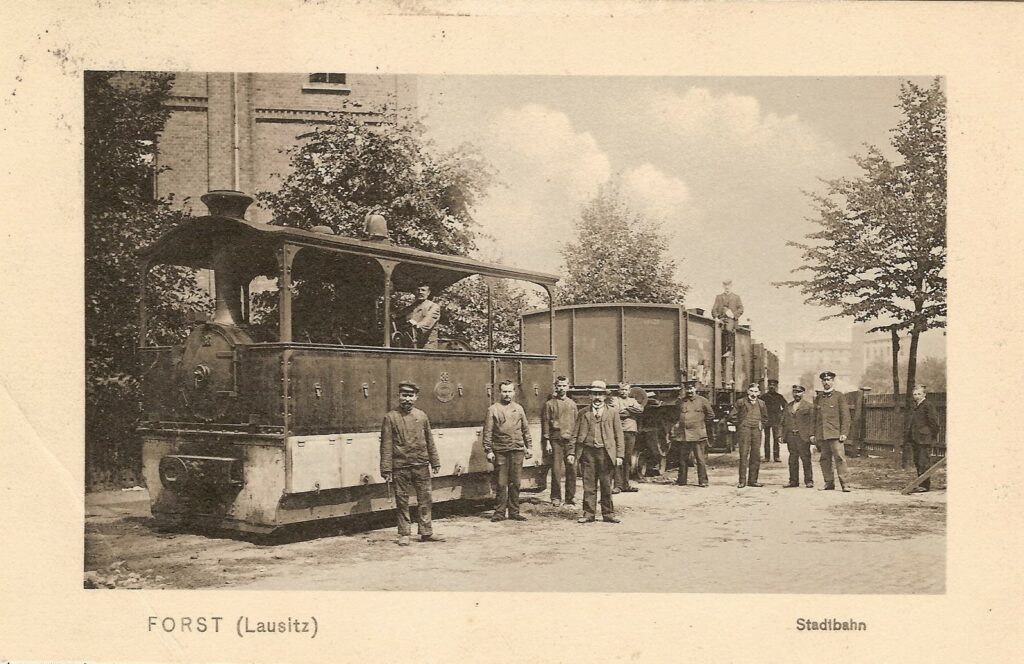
pixel 253 433
pixel 250 428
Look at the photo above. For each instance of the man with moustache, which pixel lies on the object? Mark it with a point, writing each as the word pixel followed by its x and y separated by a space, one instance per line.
pixel 797 427
pixel 506 443
pixel 690 433
pixel 598 441
pixel 750 416
pixel 421 318
pixel 922 434
pixel 831 427
pixel 556 427
pixel 776 403
pixel 406 449
pixel 629 409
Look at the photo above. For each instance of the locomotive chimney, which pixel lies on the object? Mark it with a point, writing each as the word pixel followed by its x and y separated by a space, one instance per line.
pixel 376 227
pixel 227 203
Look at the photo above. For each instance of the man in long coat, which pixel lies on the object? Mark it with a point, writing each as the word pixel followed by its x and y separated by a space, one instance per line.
pixel 797 427
pixel 750 416
pixel 599 443
pixel 922 433
pixel 831 427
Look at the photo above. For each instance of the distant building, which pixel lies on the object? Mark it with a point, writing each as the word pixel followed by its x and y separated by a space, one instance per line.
pixel 868 348
pixel 230 131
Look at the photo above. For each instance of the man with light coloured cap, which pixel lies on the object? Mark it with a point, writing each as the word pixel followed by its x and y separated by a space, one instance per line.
pixel 406 449
pixel 831 427
pixel 598 441
pixel 690 433
pixel 797 427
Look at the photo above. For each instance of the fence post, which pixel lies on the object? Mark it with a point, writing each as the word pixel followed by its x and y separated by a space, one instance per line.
pixel 862 422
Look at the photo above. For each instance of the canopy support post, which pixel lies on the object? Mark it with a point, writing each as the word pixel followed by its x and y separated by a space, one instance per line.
pixel 285 256
pixel 389 268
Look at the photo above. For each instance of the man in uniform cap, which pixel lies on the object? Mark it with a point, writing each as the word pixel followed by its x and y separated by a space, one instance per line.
pixel 776 403
pixel 690 432
pixel 406 449
pixel 831 427
pixel 797 427
pixel 598 441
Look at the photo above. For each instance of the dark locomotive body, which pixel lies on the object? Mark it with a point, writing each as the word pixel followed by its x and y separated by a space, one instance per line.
pixel 253 434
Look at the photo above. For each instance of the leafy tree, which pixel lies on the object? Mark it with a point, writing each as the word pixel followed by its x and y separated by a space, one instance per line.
pixel 124 114
pixel 618 256
pixel 347 168
pixel 880 252
pixel 931 373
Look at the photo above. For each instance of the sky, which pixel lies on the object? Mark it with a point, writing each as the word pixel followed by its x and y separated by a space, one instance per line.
pixel 720 162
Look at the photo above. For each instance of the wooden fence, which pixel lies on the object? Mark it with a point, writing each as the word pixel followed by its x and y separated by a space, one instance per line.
pixel 878 427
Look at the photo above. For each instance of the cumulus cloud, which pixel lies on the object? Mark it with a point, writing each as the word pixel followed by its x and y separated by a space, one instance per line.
pixel 548 169
pixel 657 195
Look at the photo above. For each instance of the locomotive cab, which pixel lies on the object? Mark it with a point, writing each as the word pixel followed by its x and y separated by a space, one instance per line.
pixel 269 412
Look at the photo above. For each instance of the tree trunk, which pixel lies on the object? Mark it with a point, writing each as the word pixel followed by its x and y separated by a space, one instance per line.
pixel 901 456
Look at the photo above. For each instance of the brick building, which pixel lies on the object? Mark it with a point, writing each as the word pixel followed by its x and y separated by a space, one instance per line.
pixel 230 131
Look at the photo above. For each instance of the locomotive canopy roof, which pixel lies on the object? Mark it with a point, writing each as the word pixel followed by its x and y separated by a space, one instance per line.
pixel 194 243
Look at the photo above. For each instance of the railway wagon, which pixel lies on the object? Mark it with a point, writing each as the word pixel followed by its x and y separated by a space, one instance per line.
pixel 654 347
pixel 252 424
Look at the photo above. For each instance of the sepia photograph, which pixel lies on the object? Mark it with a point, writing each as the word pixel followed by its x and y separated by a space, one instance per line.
pixel 548 330
pixel 528 313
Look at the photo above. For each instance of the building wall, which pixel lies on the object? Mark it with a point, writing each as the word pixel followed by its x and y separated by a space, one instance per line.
pixel 198 147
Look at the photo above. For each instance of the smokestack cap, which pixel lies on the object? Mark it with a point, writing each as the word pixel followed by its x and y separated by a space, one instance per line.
pixel 227 203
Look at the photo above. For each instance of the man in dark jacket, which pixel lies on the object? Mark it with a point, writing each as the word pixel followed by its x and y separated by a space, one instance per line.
pixel 557 421
pixel 690 433
pixel 776 403
pixel 922 433
pixel 750 416
pixel 506 443
pixel 797 427
pixel 831 427
pixel 599 442
pixel 406 449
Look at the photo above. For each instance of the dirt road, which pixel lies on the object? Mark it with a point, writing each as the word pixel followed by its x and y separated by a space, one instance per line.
pixel 672 539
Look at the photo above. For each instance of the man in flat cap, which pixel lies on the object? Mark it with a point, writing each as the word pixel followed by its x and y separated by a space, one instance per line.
pixel 776 403
pixel 690 433
pixel 750 416
pixel 797 427
pixel 922 433
pixel 831 427
pixel 421 317
pixel 506 443
pixel 406 449
pixel 599 443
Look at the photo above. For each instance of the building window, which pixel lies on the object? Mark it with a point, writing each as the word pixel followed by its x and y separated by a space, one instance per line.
pixel 333 78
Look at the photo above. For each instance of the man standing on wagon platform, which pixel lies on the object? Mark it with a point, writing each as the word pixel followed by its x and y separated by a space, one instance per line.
pixel 406 449
pixel 599 443
pixel 831 427
pixel 506 443
pixel 556 425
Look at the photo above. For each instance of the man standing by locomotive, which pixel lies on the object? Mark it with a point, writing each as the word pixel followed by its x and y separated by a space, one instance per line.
pixel 556 426
pixel 797 427
pixel 831 427
pixel 506 443
pixel 598 440
pixel 406 449
pixel 690 433
pixel 776 404
pixel 629 409
pixel 922 433
pixel 750 416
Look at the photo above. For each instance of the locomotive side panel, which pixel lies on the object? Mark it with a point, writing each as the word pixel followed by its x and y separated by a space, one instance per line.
pixel 261 385
pixel 453 390
pixel 651 345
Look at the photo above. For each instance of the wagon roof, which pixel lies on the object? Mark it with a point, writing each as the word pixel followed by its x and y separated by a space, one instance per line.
pixel 195 242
